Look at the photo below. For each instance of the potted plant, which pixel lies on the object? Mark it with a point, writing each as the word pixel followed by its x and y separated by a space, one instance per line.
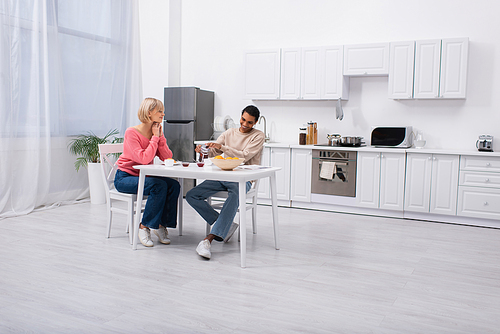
pixel 86 147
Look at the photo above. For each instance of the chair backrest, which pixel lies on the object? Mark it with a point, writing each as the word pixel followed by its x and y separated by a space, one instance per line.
pixel 108 165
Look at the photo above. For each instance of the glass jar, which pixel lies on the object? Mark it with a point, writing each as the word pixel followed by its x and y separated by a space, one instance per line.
pixel 204 153
pixel 302 136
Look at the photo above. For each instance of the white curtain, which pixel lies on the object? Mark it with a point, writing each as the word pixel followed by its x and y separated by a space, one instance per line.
pixel 66 67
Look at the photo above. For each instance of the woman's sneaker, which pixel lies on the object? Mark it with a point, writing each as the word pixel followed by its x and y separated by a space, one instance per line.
pixel 162 235
pixel 145 237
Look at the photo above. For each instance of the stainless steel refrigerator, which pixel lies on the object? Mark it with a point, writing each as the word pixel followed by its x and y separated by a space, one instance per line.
pixel 189 114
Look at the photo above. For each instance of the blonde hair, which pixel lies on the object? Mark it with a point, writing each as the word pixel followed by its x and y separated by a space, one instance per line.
pixel 149 104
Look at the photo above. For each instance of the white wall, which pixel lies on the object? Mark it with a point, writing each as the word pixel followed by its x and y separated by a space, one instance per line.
pixel 215 34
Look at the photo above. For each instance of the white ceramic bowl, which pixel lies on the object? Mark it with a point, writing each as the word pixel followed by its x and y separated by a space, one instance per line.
pixel 227 164
pixel 419 143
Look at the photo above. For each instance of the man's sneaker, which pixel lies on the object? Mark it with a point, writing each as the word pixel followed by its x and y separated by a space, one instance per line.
pixel 162 235
pixel 203 249
pixel 232 229
pixel 145 237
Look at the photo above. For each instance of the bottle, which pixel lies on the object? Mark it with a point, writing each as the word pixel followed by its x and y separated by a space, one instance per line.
pixel 302 136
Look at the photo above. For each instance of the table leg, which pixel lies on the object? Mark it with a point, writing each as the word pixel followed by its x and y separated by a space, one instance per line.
pixel 180 206
pixel 243 228
pixel 137 220
pixel 274 200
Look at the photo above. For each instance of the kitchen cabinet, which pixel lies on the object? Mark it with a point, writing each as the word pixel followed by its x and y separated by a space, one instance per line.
pixel 313 73
pixel 380 180
pixel 366 59
pixel 262 74
pixel 401 66
pixel 441 68
pixel 300 178
pixel 454 61
pixel 431 183
pixel 264 190
pixel 334 84
pixel 290 73
pixel 280 157
pixel 479 187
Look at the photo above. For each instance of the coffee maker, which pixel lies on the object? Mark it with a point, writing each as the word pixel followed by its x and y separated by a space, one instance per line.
pixel 485 143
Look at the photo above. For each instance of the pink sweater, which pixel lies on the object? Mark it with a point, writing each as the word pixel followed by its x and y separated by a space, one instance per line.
pixel 139 150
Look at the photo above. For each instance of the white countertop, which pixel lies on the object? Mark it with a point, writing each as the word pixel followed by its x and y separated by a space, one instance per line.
pixel 368 148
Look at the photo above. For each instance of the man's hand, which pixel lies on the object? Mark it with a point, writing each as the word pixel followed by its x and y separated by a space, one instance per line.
pixel 214 145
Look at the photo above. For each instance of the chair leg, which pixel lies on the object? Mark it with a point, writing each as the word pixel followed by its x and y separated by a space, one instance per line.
pixel 130 220
pixel 254 215
pixel 110 216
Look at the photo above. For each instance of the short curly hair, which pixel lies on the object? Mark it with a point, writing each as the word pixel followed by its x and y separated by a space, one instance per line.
pixel 149 104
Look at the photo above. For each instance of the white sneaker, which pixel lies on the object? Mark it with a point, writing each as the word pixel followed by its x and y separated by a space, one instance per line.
pixel 145 237
pixel 203 249
pixel 162 235
pixel 231 231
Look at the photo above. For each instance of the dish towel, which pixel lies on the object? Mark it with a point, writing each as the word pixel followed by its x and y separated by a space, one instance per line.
pixel 328 170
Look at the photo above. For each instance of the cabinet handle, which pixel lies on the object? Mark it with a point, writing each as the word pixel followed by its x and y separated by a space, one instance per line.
pixel 365 73
pixel 434 158
pixel 378 155
pixel 381 155
pixel 430 158
pixel 485 203
pixel 488 164
pixel 487 180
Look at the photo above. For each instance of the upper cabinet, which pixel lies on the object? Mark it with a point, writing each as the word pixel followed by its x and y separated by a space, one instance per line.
pixel 366 59
pixel 454 60
pixel 290 73
pixel 441 68
pixel 334 84
pixel 262 74
pixel 426 69
pixel 313 73
pixel 427 62
pixel 401 65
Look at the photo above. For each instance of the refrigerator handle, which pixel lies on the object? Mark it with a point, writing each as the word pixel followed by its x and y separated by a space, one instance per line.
pixel 179 121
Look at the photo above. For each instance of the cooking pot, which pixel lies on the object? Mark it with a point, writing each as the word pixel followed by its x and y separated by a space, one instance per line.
pixel 351 141
pixel 333 140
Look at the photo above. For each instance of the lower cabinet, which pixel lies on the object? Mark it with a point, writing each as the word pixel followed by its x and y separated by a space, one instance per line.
pixel 479 187
pixel 431 183
pixel 380 180
pixel 265 160
pixel 300 176
pixel 280 157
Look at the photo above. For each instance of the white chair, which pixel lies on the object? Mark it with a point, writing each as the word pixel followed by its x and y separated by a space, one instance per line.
pixel 112 195
pixel 250 205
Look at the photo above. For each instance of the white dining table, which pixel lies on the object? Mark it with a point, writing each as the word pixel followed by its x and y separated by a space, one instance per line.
pixel 239 174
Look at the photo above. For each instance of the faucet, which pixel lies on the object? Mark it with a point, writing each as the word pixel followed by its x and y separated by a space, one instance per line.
pixel 266 137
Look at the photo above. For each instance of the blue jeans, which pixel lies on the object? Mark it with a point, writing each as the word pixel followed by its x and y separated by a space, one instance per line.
pixel 221 222
pixel 162 192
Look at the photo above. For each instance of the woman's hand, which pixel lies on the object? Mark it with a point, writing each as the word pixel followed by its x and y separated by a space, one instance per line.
pixel 198 149
pixel 157 129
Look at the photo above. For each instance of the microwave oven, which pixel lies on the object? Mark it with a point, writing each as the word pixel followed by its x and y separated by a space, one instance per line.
pixel 392 136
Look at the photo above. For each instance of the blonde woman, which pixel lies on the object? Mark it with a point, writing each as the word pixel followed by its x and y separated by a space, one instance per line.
pixel 141 145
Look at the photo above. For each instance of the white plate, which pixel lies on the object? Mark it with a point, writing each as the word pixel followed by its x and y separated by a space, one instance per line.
pixel 226 122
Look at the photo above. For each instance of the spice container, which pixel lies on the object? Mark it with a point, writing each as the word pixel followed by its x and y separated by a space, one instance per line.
pixel 302 136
